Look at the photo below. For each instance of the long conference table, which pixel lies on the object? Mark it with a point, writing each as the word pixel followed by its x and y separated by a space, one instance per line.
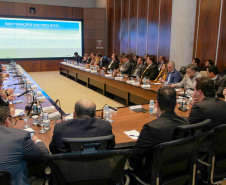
pixel 124 118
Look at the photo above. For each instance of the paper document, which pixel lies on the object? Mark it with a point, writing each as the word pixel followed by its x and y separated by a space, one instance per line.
pixel 133 134
pixel 18 112
pixel 135 107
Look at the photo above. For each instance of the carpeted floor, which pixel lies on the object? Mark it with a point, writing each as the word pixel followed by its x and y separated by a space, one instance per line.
pixel 68 91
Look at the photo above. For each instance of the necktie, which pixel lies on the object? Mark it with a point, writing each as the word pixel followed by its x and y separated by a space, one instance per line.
pixel 144 72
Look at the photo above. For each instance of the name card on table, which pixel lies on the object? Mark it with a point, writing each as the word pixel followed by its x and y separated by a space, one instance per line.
pixel 146 86
pixel 130 81
pixel 118 78
pixel 87 69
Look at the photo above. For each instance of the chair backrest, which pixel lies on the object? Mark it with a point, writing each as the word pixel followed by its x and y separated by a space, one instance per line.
pixel 175 162
pixel 189 130
pixel 5 178
pixel 96 168
pixel 218 151
pixel 88 144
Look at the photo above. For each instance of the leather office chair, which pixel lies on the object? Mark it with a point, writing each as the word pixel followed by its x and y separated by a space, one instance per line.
pixel 94 143
pixel 189 130
pixel 174 162
pixel 182 71
pixel 5 178
pixel 96 167
pixel 215 168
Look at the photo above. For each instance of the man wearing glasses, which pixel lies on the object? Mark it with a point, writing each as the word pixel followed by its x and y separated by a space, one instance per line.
pixel 17 148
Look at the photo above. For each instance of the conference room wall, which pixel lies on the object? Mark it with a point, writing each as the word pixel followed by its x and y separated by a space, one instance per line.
pixel 94 27
pixel 210 32
pixel 139 27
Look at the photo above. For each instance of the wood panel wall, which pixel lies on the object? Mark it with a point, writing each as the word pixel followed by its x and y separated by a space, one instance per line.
pixel 139 27
pixel 210 32
pixel 94 27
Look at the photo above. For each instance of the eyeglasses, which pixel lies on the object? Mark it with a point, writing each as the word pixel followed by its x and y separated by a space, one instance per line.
pixel 13 120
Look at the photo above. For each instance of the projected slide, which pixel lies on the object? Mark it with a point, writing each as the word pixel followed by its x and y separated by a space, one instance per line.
pixel 39 38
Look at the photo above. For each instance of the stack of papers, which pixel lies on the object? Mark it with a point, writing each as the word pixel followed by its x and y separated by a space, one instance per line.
pixel 18 112
pixel 133 134
pixel 69 117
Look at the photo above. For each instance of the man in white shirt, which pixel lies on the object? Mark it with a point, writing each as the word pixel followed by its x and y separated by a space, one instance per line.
pixel 188 81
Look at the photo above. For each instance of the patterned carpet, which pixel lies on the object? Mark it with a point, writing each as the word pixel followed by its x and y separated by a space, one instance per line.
pixel 68 91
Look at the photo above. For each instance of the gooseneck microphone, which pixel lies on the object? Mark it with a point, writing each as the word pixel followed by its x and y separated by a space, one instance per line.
pixel 23 93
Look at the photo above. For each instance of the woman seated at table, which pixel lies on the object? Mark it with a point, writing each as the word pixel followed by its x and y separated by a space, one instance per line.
pixel 162 74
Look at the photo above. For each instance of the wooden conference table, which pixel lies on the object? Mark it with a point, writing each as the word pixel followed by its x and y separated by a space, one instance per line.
pixel 131 93
pixel 124 119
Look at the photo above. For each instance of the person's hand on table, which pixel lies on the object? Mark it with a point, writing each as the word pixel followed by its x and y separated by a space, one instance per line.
pixel 173 85
pixel 11 97
pixel 35 138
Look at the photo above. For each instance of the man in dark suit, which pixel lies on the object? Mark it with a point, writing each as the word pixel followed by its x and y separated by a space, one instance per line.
pixel 140 67
pixel 206 105
pixel 220 82
pixel 103 62
pixel 155 132
pixel 173 76
pixel 77 57
pixel 113 64
pixel 126 67
pixel 17 148
pixel 196 61
pixel 85 59
pixel 161 62
pixel 84 125
pixel 151 70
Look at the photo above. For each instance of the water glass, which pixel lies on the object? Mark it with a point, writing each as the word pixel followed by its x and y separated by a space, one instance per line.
pixel 35 120
pixel 25 118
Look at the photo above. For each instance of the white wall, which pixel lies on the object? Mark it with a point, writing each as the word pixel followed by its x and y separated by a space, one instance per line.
pixel 71 3
pixel 182 32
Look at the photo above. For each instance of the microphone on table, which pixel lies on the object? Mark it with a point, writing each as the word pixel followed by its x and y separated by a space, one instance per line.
pixel 115 109
pixel 61 114
pixel 17 84
pixel 17 76
pixel 23 93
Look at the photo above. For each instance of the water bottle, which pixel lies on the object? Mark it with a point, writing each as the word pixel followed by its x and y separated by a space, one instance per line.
pixel 46 121
pixel 106 112
pixel 151 107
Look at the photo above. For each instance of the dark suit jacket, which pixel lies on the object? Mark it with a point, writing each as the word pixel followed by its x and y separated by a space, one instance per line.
pixel 153 133
pixel 78 59
pixel 2 103
pixel 127 67
pixel 78 128
pixel 16 149
pixel 103 62
pixel 139 69
pixel 113 64
pixel 220 84
pixel 209 108
pixel 151 72
pixel 175 77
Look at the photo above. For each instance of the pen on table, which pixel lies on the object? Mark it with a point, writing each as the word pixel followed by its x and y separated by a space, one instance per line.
pixel 133 136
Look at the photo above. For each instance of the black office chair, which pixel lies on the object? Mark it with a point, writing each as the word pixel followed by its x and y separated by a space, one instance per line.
pixel 94 143
pixel 182 71
pixel 174 162
pixel 5 178
pixel 189 130
pixel 98 167
pixel 215 168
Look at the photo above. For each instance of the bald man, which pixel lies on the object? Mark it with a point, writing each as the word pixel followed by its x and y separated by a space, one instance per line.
pixel 84 125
